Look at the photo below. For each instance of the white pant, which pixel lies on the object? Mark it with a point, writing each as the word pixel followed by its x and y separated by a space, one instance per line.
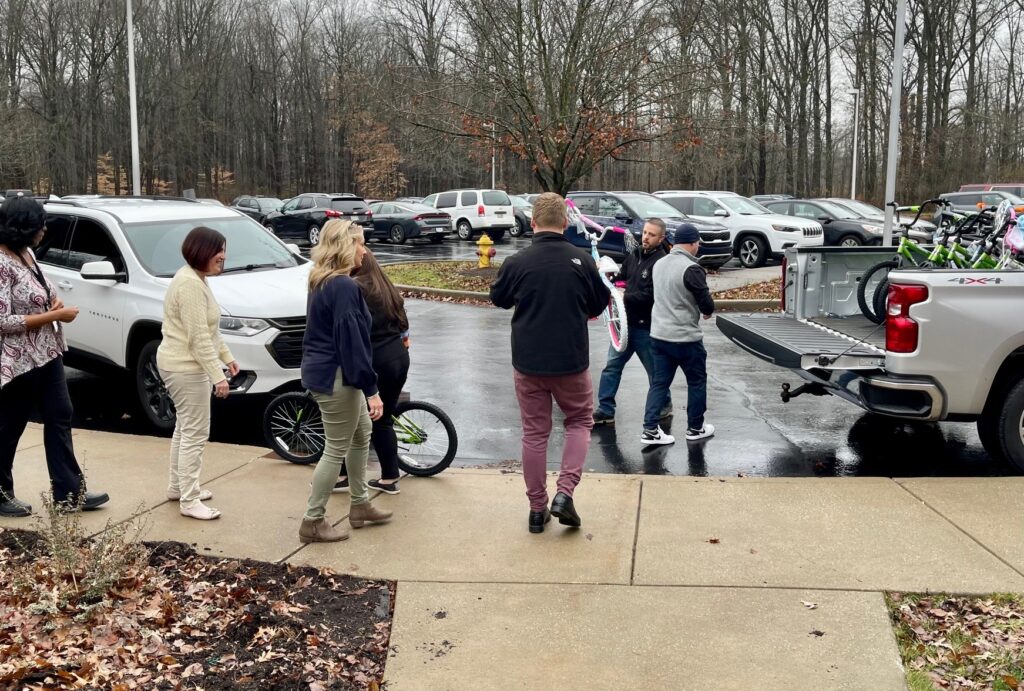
pixel 191 393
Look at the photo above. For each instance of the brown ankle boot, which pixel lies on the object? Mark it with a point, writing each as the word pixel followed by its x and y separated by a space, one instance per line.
pixel 363 513
pixel 320 531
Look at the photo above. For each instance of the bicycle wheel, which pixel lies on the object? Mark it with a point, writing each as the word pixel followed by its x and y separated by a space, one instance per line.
pixel 868 288
pixel 294 429
pixel 615 318
pixel 880 301
pixel 427 440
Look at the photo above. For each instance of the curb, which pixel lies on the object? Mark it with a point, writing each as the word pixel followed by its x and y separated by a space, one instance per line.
pixel 720 305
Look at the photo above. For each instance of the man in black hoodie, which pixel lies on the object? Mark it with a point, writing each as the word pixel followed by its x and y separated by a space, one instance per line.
pixel 637 271
pixel 555 289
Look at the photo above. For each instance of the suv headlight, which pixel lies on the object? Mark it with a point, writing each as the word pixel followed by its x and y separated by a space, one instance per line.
pixel 877 230
pixel 240 326
pixel 785 229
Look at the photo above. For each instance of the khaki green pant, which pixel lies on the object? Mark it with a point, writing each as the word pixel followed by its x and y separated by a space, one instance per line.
pixel 347 428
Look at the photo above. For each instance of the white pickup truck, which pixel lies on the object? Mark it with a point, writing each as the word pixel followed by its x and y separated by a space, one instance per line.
pixel 951 348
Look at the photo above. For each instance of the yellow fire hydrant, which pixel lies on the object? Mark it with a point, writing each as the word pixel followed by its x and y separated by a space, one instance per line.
pixel 485 251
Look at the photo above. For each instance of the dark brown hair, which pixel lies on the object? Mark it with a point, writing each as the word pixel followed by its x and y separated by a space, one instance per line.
pixel 201 245
pixel 380 292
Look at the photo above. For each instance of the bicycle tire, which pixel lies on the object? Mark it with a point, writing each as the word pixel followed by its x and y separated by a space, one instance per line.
pixel 293 428
pixel 868 308
pixel 615 318
pixel 880 300
pixel 416 423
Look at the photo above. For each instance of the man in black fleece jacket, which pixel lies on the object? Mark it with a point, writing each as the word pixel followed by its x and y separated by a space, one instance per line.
pixel 638 273
pixel 555 289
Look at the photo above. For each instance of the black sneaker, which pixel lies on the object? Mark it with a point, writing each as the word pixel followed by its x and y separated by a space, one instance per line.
pixel 14 508
pixel 603 418
pixel 538 519
pixel 341 485
pixel 385 487
pixel 656 436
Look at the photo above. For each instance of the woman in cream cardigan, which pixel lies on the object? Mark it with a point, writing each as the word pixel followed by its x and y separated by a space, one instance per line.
pixel 190 359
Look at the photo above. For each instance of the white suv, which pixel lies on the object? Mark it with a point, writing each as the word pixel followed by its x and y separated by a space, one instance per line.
pixel 113 259
pixel 476 211
pixel 757 232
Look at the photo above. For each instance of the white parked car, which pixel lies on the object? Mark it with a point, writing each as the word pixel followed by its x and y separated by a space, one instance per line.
pixel 476 211
pixel 758 234
pixel 113 259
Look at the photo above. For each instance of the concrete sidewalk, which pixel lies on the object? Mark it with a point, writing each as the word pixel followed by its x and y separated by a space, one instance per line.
pixel 673 582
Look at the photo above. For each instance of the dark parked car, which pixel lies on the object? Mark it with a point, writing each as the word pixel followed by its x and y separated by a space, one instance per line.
pixel 843 227
pixel 762 198
pixel 630 209
pixel 399 222
pixel 256 207
pixel 922 232
pixel 409 200
pixel 303 216
pixel 523 211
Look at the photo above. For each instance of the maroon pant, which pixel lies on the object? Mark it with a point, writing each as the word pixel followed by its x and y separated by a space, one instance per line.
pixel 574 394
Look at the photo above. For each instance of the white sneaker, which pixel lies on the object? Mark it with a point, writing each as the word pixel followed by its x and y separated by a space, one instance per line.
pixel 656 436
pixel 200 511
pixel 204 495
pixel 708 430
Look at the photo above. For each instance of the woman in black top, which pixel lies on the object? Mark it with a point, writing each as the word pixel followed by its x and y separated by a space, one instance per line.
pixel 390 341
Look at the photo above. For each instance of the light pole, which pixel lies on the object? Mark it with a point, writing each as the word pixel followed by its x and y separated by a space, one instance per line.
pixel 894 120
pixel 856 113
pixel 132 105
pixel 493 151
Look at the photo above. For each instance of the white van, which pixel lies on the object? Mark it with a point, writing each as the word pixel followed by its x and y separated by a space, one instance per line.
pixel 476 211
pixel 758 234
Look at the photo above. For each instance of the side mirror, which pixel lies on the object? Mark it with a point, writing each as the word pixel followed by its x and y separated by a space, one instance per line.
pixel 721 212
pixel 293 248
pixel 102 271
pixel 825 219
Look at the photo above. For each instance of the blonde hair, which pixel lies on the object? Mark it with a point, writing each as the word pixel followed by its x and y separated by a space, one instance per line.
pixel 335 255
pixel 549 211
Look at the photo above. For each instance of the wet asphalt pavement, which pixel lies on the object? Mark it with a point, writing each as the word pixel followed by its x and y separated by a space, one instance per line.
pixel 461 361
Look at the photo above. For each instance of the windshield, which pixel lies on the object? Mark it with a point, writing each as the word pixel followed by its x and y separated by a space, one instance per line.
pixel 837 210
pixel 348 206
pixel 520 202
pixel 865 210
pixel 743 206
pixel 650 207
pixel 270 203
pixel 158 244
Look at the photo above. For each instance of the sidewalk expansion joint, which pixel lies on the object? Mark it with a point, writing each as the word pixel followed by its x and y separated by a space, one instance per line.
pixel 636 531
pixel 952 523
pixel 604 584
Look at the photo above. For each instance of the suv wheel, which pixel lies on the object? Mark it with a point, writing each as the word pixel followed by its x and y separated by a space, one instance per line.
pixel 313 235
pixel 464 230
pixel 154 399
pixel 850 241
pixel 1010 426
pixel 752 252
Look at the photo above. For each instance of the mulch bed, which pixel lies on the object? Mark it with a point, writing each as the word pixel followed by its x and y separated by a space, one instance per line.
pixel 766 290
pixel 176 619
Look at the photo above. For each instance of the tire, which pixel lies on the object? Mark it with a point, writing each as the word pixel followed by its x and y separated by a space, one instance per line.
pixel 880 302
pixel 850 241
pixel 313 235
pixel 436 239
pixel 615 318
pixel 270 229
pixel 988 431
pixel 871 283
pixel 1010 426
pixel 752 251
pixel 464 230
pixel 294 429
pixel 153 398
pixel 396 235
pixel 517 230
pixel 427 441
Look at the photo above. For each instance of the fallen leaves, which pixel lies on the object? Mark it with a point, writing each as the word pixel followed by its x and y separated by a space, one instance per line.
pixel 766 290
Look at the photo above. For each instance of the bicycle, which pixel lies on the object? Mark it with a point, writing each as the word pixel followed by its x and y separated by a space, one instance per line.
pixel 615 313
pixel 427 441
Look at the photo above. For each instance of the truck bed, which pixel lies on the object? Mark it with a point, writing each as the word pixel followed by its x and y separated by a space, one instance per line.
pixel 852 342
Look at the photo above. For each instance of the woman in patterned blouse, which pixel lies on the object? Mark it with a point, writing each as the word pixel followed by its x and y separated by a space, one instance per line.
pixel 31 362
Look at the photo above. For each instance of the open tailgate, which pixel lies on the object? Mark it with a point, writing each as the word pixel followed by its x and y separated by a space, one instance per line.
pixel 849 344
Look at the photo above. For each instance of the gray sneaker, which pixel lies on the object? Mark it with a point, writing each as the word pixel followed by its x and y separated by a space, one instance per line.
pixel 603 418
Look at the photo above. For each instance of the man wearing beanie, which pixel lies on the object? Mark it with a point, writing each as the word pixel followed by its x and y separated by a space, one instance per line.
pixel 681 297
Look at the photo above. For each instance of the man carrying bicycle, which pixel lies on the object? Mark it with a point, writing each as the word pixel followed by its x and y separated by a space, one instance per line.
pixel 555 289
pixel 638 273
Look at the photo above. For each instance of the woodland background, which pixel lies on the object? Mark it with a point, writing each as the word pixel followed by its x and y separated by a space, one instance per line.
pixel 388 97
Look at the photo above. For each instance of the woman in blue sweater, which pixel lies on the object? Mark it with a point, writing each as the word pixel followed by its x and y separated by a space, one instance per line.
pixel 337 367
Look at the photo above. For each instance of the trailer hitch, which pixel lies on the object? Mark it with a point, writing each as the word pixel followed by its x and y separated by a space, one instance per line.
pixel 813 388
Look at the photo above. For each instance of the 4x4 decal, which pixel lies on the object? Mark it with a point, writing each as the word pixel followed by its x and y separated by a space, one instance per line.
pixel 973 281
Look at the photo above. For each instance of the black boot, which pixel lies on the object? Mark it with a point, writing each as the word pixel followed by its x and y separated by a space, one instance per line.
pixel 562 507
pixel 12 507
pixel 538 519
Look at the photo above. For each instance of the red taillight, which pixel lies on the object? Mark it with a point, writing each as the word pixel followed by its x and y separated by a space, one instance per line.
pixel 901 331
pixel 480 210
pixel 368 212
pixel 331 213
pixel 783 299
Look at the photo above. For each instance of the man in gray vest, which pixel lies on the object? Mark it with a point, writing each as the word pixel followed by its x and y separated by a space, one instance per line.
pixel 681 297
